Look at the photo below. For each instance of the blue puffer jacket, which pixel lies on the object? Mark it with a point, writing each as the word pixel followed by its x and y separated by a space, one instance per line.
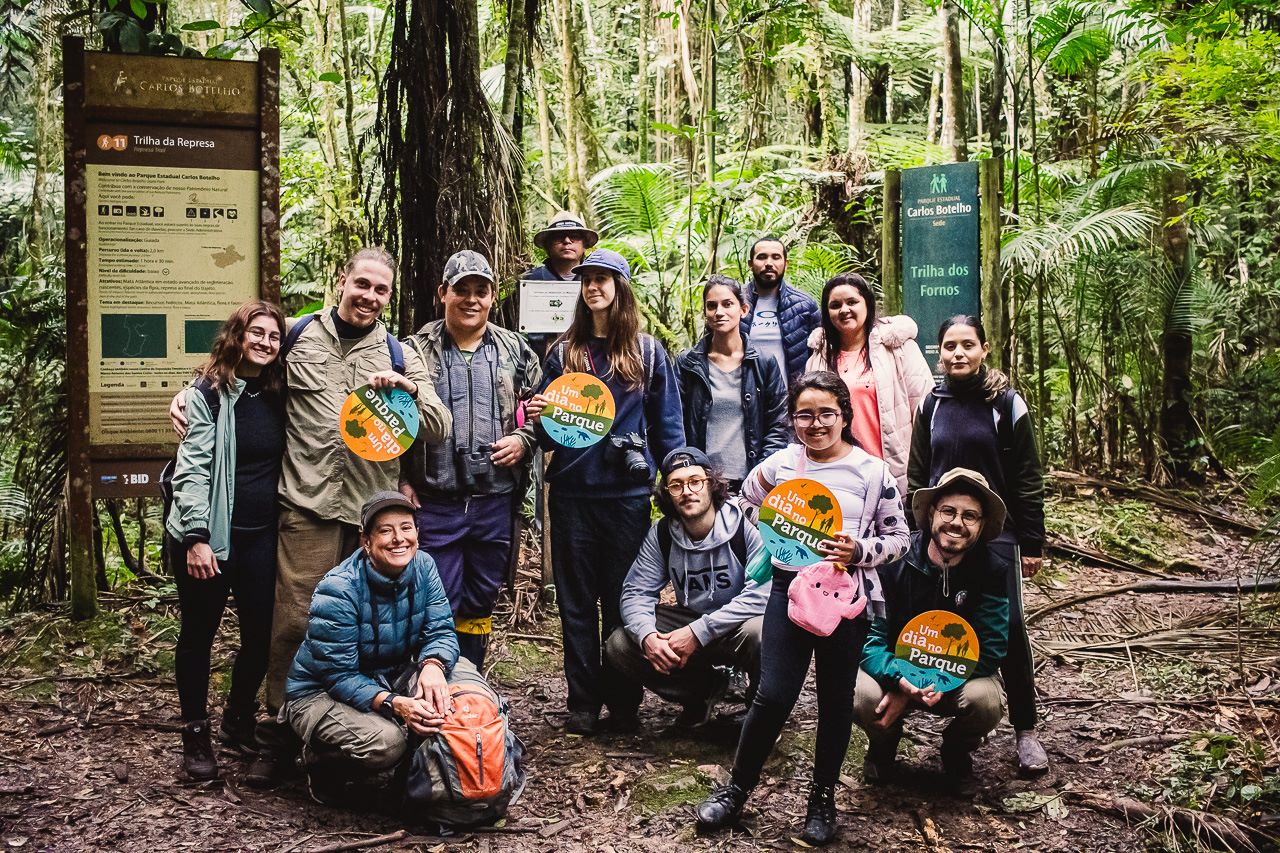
pixel 797 317
pixel 764 401
pixel 365 627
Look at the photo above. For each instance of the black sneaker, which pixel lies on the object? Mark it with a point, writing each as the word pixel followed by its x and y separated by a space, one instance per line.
pixel 197 751
pixel 624 723
pixel 957 768
pixel 820 820
pixel 879 765
pixel 722 808
pixel 694 715
pixel 580 723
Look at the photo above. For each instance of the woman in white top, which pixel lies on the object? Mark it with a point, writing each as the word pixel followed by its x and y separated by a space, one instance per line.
pixel 874 533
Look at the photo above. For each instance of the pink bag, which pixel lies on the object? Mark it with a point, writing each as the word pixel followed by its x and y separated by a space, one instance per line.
pixel 821 595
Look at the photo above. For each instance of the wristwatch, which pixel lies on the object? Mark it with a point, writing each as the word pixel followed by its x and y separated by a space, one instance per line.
pixel 386 710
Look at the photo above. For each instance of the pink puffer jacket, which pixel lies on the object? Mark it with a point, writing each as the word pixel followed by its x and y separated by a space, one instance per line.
pixel 903 378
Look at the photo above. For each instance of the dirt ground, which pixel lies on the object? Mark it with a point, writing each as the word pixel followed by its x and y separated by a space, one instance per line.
pixel 1134 688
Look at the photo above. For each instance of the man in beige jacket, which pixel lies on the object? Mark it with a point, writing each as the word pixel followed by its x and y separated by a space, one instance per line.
pixel 323 484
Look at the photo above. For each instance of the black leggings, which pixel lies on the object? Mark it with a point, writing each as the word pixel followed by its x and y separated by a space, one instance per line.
pixel 249 573
pixel 1017 669
pixel 785 650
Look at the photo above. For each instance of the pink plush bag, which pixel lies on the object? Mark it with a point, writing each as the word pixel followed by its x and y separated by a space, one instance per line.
pixel 821 595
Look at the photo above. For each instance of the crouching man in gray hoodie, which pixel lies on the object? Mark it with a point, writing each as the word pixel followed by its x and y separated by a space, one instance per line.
pixel 702 546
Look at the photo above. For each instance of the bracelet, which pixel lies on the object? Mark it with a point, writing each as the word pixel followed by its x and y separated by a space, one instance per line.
pixel 439 663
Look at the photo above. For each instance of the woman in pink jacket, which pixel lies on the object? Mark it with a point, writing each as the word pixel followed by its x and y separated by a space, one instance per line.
pixel 879 361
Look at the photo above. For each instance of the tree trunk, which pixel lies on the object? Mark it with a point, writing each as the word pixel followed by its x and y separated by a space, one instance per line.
pixel 644 107
pixel 544 130
pixel 117 527
pixel 931 108
pixel 46 132
pixel 1177 426
pixel 579 152
pixel 953 136
pixel 890 103
pixel 513 65
pixel 859 85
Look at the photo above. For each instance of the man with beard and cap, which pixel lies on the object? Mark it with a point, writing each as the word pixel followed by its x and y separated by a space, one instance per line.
pixel 566 240
pixel 467 490
pixel 948 567
pixel 781 317
pixel 701 546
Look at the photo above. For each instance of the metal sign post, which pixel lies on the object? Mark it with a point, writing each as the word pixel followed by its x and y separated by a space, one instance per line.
pixel 172 220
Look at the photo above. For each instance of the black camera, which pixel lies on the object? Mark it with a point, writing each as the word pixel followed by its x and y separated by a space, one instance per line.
pixel 628 451
pixel 471 466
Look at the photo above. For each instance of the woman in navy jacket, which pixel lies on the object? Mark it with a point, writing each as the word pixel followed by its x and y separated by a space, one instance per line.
pixel 736 430
pixel 598 502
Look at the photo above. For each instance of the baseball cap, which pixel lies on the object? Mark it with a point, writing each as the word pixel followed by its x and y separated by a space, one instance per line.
pixel 605 259
pixel 378 503
pixel 684 457
pixel 465 263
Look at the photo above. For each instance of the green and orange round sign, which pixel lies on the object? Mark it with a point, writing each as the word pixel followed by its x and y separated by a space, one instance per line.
pixel 378 425
pixel 795 517
pixel 937 648
pixel 580 410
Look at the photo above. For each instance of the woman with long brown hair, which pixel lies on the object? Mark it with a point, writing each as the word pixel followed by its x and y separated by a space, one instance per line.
pixel 222 524
pixel 599 494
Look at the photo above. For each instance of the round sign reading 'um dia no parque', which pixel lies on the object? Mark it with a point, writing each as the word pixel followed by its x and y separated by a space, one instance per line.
pixel 937 648
pixel 580 410
pixel 378 425
pixel 795 517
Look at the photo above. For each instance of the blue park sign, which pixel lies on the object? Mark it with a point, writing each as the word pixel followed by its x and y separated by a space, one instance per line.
pixel 940 249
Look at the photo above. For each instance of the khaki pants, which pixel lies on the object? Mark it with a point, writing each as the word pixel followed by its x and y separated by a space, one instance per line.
pixel 330 729
pixel 695 681
pixel 308 548
pixel 976 706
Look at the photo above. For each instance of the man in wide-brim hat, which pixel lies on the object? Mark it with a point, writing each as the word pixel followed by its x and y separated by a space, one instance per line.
pixel 566 240
pixel 949 568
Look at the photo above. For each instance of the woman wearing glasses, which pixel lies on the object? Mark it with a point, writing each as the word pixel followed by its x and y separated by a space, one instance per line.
pixel 880 363
pixel 874 532
pixel 735 402
pixel 975 420
pixel 222 524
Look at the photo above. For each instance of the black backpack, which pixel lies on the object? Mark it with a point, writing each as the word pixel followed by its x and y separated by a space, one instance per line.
pixel 393 345
pixel 1003 405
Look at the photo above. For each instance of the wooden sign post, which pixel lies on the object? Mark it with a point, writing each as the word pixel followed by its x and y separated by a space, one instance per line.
pixel 172 220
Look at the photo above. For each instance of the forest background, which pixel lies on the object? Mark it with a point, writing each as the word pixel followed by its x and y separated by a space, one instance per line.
pixel 1138 143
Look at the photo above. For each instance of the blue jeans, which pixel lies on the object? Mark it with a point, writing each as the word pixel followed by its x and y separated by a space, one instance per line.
pixel 594 541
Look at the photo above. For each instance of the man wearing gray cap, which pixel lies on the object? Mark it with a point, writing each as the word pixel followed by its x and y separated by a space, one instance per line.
pixel 466 490
pixel 566 240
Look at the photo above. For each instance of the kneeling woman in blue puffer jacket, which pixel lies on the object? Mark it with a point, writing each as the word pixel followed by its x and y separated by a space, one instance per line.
pixel 375 619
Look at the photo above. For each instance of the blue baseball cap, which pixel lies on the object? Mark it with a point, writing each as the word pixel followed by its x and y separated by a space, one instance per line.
pixel 606 260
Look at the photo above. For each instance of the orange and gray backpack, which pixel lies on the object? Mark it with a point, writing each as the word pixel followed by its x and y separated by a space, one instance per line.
pixel 473 770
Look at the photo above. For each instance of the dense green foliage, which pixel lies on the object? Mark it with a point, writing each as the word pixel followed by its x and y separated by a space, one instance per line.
pixel 1140 144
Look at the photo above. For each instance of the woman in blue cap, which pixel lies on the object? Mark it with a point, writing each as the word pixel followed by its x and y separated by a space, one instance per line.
pixel 599 494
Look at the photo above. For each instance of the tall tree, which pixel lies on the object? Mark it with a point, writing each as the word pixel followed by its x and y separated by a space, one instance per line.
pixel 952 135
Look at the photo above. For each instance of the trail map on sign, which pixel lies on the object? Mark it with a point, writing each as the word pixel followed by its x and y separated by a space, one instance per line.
pixel 580 412
pixel 378 425
pixel 937 648
pixel 795 517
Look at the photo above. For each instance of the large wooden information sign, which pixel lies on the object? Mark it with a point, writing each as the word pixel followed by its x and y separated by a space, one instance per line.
pixel 172 220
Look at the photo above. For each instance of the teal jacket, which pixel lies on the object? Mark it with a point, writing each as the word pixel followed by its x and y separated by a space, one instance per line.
pixel 204 489
pixel 913 586
pixel 365 627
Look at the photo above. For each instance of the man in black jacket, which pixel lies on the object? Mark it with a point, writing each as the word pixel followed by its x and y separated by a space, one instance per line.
pixel 566 240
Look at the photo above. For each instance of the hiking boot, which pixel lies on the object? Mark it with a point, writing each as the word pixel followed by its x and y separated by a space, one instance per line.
pixel 880 764
pixel 820 821
pixel 957 767
pixel 722 808
pixel 239 731
pixel 197 751
pixel 1032 759
pixel 581 723
pixel 620 723
pixel 694 715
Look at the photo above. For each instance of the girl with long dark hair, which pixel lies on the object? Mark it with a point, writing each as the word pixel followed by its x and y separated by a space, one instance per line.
pixel 976 420
pixel 599 495
pixel 880 363
pixel 873 532
pixel 222 524
pixel 734 400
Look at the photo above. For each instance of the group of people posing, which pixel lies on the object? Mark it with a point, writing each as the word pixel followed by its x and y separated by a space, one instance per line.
pixel 348 573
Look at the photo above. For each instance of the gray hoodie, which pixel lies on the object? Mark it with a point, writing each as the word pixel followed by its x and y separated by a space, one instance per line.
pixel 706 575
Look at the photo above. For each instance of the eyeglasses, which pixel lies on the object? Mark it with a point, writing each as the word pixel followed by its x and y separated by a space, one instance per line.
pixel 806 419
pixel 694 485
pixel 256 334
pixel 968 517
